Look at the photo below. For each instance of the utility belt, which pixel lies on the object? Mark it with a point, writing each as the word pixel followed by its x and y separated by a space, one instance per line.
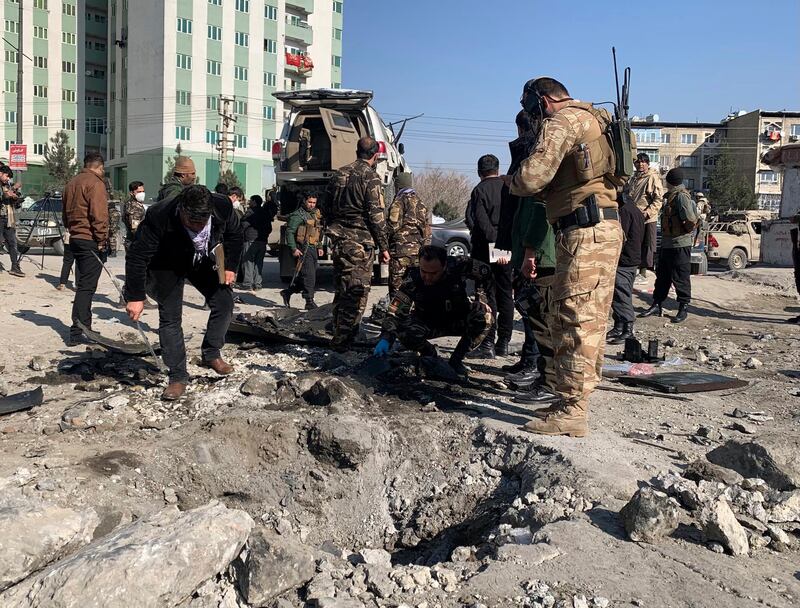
pixel 589 214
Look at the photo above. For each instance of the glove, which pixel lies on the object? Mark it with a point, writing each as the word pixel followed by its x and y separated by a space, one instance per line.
pixel 381 348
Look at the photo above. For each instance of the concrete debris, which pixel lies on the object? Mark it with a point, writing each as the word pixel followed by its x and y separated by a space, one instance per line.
pixel 719 524
pixel 345 441
pixel 330 391
pixel 788 509
pixel 753 363
pixel 772 457
pixel 746 429
pixel 376 557
pixel 260 384
pixel 701 469
pixel 650 515
pixel 39 363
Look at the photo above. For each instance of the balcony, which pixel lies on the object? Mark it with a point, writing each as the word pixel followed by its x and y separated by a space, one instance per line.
pixel 299 64
pixel 306 6
pixel 302 33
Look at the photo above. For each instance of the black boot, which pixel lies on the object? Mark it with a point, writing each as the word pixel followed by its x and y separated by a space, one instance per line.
pixel 615 332
pixel 683 312
pixel 521 365
pixel 457 358
pixel 286 295
pixel 627 332
pixel 484 351
pixel 653 311
pixel 501 347
pixel 310 304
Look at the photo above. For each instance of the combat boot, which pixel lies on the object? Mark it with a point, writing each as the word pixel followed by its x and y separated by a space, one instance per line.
pixel 501 348
pixel 615 331
pixel 457 357
pixel 484 351
pixel 569 420
pixel 538 395
pixel 683 312
pixel 654 311
pixel 627 332
pixel 286 296
pixel 311 304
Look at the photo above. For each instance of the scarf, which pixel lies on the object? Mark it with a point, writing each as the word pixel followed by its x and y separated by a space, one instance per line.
pixel 200 240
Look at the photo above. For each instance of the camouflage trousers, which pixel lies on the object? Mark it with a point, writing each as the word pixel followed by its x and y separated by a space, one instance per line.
pixel 113 242
pixel 352 272
pixel 578 304
pixel 414 333
pixel 398 265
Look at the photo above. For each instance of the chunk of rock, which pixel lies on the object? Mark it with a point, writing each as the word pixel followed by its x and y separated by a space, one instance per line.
pixel 788 509
pixel 376 557
pixel 274 565
pixel 379 583
pixel 159 560
pixel 259 384
pixel 772 457
pixel 753 363
pixel 31 537
pixel 719 524
pixel 330 391
pixel 703 470
pixel 39 363
pixel 345 441
pixel 779 540
pixel 650 515
pixel 685 490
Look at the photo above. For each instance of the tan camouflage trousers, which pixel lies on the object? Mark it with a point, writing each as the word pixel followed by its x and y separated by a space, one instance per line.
pixel 578 303
pixel 398 265
pixel 352 275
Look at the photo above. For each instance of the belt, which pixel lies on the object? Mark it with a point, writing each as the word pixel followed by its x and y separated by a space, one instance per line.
pixel 570 220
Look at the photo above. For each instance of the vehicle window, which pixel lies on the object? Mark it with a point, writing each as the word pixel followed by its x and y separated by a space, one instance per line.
pixel 756 227
pixel 55 205
pixel 341 121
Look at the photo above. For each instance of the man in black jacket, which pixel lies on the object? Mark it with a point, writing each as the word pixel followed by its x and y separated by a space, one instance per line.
pixel 257 224
pixel 483 217
pixel 176 242
pixel 633 226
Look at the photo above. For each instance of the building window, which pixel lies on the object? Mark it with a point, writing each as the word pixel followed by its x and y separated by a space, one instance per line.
pixel 39 120
pixel 98 18
pixel 688 161
pixel 240 107
pixel 211 137
pixel 39 62
pixel 270 79
pixel 212 102
pixel 243 6
pixel 40 32
pixel 242 39
pixel 336 85
pixel 652 153
pixel 184 25
pixel 183 133
pixel 184 98
pixel 712 138
pixel 39 90
pixel 336 61
pixel 270 12
pixel 647 136
pixel 68 9
pixel 213 67
pixel 97 73
pixel 688 138
pixel 12 27
pixel 68 38
pixel 10 86
pixel 337 33
pixel 11 116
pixel 269 112
pixel 38 149
pixel 270 46
pixel 96 125
pixel 239 72
pixel 795 130
pixel 11 56
pixel 666 138
pixel 8 145
pixel 337 7
pixel 68 67
pixel 67 95
pixel 240 141
pixel 710 161
pixel 767 177
pixel 214 32
pixel 184 62
pixel 42 4
pixel 266 144
pixel 68 124
pixel 689 183
pixel 215 2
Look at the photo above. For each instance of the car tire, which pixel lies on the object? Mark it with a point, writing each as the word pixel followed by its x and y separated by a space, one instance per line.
pixel 58 246
pixel 457 248
pixel 737 260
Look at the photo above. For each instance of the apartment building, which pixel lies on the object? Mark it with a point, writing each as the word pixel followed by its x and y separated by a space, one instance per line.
pixel 174 64
pixel 64 55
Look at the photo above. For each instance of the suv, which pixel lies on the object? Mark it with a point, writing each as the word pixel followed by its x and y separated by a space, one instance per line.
pixel 49 229
pixel 735 238
pixel 319 137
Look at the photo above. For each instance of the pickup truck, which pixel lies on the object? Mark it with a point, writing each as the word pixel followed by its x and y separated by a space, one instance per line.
pixel 734 239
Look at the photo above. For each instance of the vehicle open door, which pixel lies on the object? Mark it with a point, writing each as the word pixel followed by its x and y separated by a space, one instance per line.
pixel 343 136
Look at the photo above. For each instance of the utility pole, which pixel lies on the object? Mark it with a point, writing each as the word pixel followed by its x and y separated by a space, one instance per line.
pixel 21 30
pixel 225 143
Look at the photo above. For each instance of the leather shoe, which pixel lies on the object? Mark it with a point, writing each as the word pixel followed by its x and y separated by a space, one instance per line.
pixel 219 365
pixel 525 380
pixel 538 396
pixel 501 348
pixel 683 312
pixel 286 296
pixel 520 365
pixel 173 391
pixel 311 305
pixel 484 351
pixel 653 311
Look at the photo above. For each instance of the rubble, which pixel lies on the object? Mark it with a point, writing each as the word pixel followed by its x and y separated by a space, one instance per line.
pixel 772 457
pixel 260 384
pixel 719 524
pixel 649 516
pixel 345 441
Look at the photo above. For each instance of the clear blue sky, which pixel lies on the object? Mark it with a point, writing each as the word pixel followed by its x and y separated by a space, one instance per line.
pixel 690 60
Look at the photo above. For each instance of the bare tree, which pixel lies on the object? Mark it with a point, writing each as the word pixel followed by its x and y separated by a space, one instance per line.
pixel 445 191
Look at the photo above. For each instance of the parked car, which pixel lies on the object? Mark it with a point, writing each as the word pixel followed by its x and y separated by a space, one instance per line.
pixel 453 236
pixel 318 137
pixel 735 238
pixel 49 225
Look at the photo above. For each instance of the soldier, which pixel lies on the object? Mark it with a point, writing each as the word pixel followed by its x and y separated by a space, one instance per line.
pixel 133 213
pixel 644 189
pixel 432 302
pixel 409 229
pixel 356 226
pixel 114 226
pixel 678 221
pixel 304 236
pixel 573 167
pixel 183 174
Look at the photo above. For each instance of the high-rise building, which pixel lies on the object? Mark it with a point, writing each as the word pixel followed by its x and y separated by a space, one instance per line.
pixel 64 55
pixel 177 67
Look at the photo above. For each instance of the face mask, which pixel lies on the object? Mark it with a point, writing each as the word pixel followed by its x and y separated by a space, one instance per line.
pixel 237 204
pixel 140 196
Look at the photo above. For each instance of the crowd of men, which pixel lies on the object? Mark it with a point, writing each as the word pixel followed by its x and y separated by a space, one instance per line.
pixel 561 236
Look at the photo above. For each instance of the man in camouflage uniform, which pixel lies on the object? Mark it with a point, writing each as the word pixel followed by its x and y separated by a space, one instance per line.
pixel 432 302
pixel 645 190
pixel 114 226
pixel 183 174
pixel 133 214
pixel 572 168
pixel 304 238
pixel 409 230
pixel 356 226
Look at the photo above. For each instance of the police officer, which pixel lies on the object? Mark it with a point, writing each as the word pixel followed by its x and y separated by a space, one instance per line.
pixel 304 238
pixel 409 229
pixel 432 302
pixel 356 227
pixel 573 167
pixel 133 213
pixel 678 220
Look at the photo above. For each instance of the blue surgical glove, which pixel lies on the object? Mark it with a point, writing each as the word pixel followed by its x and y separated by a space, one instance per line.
pixel 382 348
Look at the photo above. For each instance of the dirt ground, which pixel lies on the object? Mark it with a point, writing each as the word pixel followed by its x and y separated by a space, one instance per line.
pixel 442 468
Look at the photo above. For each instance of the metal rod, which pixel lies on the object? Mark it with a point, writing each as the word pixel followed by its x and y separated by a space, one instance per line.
pixel 628 391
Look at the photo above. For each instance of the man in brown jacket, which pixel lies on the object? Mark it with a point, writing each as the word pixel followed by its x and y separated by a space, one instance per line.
pixel 644 189
pixel 86 218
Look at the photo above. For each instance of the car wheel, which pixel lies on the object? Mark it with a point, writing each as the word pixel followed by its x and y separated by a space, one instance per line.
pixel 457 248
pixel 58 246
pixel 737 260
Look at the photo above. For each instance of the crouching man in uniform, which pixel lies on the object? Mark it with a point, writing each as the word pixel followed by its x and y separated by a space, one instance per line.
pixel 176 242
pixel 432 302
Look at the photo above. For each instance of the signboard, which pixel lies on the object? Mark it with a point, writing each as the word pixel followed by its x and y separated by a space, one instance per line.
pixel 18 157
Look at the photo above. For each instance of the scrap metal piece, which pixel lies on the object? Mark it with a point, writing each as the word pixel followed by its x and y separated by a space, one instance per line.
pixel 21 402
pixel 126 348
pixel 684 382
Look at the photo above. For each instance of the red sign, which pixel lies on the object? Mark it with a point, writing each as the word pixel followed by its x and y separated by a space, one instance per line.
pixel 18 157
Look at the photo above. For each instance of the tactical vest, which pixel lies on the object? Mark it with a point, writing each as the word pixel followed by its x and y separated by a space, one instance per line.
pixel 309 232
pixel 671 223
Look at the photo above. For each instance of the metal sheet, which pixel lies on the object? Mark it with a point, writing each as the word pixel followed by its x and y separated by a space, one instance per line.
pixel 21 401
pixel 128 348
pixel 684 382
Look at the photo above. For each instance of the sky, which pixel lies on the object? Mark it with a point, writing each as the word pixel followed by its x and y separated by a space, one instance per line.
pixel 463 63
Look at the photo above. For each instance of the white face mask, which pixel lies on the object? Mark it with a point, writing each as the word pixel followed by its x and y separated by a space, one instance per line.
pixel 140 196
